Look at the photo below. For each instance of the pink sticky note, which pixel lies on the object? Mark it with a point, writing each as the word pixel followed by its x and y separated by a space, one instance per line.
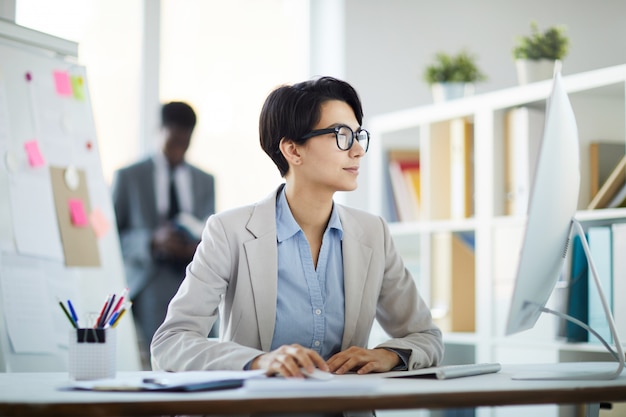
pixel 35 159
pixel 77 212
pixel 63 83
pixel 99 222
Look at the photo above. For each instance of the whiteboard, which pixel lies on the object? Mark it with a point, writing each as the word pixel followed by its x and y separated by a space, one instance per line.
pixel 58 239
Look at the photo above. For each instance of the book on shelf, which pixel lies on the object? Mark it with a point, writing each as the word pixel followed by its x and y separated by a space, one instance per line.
pixel 453 282
pixel 451 168
pixel 461 169
pixel 523 135
pixel 578 299
pixel 436 202
pixel 404 175
pixel 619 199
pixel 600 246
pixel 611 187
pixel 603 157
pixel 618 232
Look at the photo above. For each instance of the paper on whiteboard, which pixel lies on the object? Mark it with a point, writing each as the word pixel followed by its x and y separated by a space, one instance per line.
pixel 26 305
pixel 6 232
pixel 35 225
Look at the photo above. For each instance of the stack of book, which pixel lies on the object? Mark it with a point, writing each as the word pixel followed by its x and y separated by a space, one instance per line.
pixel 607 245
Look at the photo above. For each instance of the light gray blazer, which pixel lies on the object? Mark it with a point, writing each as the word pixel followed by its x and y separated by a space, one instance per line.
pixel 235 268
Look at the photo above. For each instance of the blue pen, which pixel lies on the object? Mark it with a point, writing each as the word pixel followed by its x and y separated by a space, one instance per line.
pixel 113 317
pixel 74 316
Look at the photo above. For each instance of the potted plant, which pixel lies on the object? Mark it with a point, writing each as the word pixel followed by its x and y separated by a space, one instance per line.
pixel 452 76
pixel 538 55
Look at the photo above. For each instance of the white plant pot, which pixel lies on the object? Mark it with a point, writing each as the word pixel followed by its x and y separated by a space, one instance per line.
pixel 450 91
pixel 530 71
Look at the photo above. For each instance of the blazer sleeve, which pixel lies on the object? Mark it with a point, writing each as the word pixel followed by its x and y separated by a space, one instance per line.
pixel 404 314
pixel 181 342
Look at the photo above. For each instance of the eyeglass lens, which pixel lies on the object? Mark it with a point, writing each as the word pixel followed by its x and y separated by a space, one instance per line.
pixel 345 137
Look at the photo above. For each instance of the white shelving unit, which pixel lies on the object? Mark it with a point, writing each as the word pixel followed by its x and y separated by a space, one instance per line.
pixel 599 101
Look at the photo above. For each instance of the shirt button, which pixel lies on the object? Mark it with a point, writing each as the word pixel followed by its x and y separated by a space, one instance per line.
pixel 318 311
pixel 316 343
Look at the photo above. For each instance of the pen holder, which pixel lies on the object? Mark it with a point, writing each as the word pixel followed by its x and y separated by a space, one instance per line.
pixel 92 353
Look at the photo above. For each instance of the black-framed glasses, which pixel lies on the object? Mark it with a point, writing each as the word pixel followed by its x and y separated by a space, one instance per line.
pixel 344 136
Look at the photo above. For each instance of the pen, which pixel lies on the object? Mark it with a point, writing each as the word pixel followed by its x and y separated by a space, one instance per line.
pixel 105 318
pixel 119 302
pixel 67 314
pixel 119 316
pixel 73 312
pixel 113 318
pixel 104 307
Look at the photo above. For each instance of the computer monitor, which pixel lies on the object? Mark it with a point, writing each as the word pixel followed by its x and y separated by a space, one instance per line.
pixel 550 222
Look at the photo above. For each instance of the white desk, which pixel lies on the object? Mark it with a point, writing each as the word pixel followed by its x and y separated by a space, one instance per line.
pixel 39 394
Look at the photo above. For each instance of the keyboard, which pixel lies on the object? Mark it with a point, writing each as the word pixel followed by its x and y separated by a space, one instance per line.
pixel 448 371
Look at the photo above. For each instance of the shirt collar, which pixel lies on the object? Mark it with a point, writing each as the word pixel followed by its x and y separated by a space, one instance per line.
pixel 286 225
pixel 161 162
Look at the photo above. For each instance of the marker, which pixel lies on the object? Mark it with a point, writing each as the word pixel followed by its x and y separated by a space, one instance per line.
pixel 74 315
pixel 104 307
pixel 67 314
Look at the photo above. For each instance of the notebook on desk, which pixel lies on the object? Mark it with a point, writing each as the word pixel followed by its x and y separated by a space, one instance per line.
pixel 448 371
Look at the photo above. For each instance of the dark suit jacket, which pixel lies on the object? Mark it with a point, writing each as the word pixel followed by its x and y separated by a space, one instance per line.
pixel 134 200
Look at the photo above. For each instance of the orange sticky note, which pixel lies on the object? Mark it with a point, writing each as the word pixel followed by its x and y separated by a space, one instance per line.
pixel 62 83
pixel 99 222
pixel 77 212
pixel 35 158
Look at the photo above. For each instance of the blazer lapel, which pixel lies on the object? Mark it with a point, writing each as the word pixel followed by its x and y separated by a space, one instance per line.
pixel 356 259
pixel 262 257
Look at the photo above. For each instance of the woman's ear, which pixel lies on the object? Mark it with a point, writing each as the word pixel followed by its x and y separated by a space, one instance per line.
pixel 290 151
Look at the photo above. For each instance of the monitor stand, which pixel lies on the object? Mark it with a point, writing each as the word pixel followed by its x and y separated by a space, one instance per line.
pixel 583 371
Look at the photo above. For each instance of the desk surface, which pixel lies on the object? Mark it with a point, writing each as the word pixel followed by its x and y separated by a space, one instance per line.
pixel 42 394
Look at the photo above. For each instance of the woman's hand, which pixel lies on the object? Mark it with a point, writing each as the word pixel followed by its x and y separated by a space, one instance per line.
pixel 288 359
pixel 363 361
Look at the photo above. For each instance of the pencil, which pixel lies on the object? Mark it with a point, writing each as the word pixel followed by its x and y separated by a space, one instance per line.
pixel 67 314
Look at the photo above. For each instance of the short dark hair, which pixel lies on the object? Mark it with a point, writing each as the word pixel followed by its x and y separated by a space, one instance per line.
pixel 178 113
pixel 291 111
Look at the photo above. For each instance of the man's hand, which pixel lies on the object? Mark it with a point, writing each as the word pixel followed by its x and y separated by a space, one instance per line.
pixel 170 244
pixel 288 359
pixel 363 361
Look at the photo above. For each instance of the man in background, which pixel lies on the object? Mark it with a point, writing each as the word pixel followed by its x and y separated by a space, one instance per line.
pixel 161 204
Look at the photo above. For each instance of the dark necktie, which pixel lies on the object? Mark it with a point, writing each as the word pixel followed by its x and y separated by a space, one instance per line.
pixel 174 207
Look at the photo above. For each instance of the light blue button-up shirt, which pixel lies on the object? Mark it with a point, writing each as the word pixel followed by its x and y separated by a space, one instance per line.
pixel 310 303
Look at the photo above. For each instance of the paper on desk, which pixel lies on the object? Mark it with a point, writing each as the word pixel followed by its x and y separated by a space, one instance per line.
pixel 351 383
pixel 156 381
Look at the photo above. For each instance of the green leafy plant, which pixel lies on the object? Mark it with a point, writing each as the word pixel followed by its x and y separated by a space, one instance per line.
pixel 460 68
pixel 551 44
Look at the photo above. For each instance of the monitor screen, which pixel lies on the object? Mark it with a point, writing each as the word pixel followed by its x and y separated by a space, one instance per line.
pixel 552 204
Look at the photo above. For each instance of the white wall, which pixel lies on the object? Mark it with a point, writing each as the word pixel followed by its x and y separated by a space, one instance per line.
pixel 224 57
pixel 389 43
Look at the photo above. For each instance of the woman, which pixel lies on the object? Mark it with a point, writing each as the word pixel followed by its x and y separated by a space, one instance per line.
pixel 298 279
